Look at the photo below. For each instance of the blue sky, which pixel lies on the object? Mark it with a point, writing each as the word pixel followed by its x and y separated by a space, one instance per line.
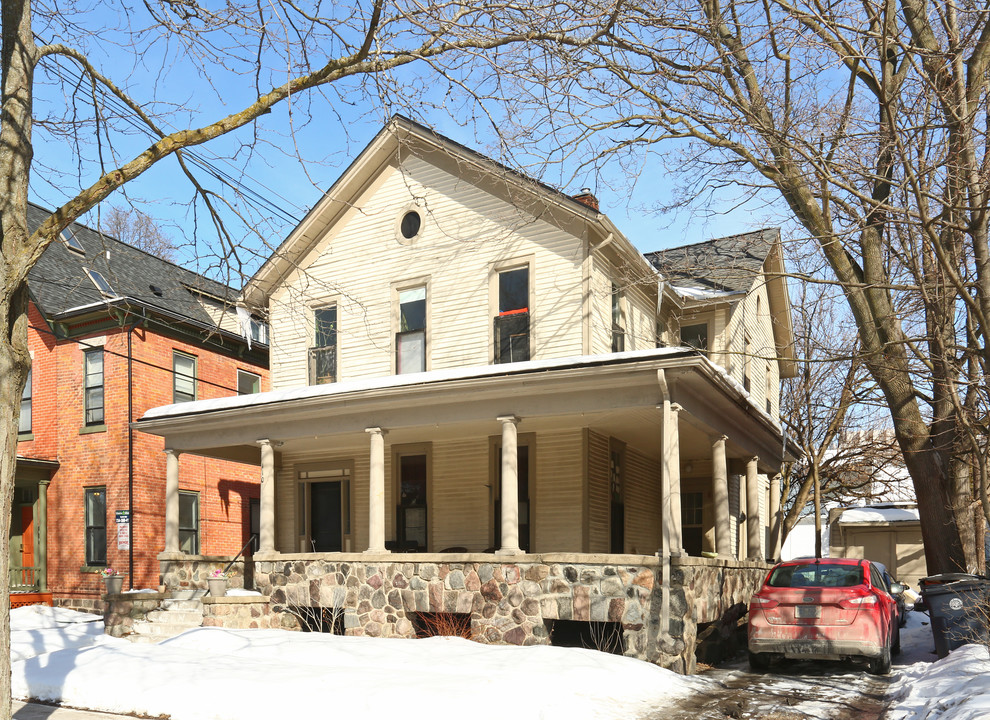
pixel 288 163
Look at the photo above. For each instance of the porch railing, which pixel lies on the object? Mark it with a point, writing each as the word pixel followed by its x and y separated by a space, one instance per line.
pixel 24 578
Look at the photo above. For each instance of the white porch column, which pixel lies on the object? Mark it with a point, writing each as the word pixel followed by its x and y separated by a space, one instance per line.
pixel 672 478
pixel 776 518
pixel 266 534
pixel 376 504
pixel 171 500
pixel 720 496
pixel 752 510
pixel 509 491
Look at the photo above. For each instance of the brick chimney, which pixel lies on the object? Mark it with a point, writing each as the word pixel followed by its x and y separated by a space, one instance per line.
pixel 586 197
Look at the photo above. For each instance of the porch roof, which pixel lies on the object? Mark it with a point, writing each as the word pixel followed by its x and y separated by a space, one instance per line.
pixel 467 400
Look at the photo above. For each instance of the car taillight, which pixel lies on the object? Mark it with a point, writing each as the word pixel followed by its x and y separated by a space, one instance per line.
pixel 763 603
pixel 858 602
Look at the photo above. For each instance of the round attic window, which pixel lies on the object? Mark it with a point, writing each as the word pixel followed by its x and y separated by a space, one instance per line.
pixel 410 225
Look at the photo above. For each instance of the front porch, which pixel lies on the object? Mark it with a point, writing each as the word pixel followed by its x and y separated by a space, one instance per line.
pixel 629 489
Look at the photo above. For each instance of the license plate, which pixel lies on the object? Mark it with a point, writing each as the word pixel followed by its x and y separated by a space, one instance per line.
pixel 807 611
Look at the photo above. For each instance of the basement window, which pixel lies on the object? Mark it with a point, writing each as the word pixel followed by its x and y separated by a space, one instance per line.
pixel 601 636
pixel 442 624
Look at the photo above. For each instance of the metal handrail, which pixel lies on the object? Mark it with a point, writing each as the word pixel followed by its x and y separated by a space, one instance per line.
pixel 231 563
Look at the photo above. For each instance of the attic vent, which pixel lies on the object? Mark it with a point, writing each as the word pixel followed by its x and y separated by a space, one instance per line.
pixel 156 290
pixel 408 226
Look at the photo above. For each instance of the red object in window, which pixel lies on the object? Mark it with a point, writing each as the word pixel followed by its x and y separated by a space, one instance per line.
pixel 513 312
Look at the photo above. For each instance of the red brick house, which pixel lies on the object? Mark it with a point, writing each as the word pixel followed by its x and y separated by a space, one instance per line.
pixel 113 332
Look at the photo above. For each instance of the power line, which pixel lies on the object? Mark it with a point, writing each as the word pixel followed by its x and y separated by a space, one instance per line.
pixel 123 356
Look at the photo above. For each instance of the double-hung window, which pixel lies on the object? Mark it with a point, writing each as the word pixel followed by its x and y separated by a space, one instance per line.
pixel 96 525
pixel 189 522
pixel 93 386
pixel 695 336
pixel 24 424
pixel 410 340
pixel 323 353
pixel 512 322
pixel 183 377
pixel 618 327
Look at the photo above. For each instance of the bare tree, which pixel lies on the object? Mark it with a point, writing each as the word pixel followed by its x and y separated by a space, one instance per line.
pixel 867 121
pixel 832 411
pixel 251 57
pixel 137 229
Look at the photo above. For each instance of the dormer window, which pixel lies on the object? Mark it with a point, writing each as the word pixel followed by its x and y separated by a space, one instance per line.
pixel 71 241
pixel 101 283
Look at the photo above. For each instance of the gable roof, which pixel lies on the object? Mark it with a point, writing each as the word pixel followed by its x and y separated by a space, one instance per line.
pixel 59 282
pixel 728 264
pixel 402 136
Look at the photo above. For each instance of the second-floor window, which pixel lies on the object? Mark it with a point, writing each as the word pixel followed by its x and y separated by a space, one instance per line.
pixel 248 383
pixel 24 424
pixel 183 377
pixel 93 386
pixel 618 324
pixel 410 340
pixel 695 336
pixel 323 353
pixel 512 321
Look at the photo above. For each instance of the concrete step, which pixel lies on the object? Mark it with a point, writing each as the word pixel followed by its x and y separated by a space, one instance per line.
pixel 143 627
pixel 192 618
pixel 176 604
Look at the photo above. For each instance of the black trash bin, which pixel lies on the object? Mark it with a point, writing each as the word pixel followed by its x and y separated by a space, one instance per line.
pixel 958 607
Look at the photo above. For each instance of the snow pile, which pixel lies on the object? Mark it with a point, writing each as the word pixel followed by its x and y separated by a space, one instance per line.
pixel 38 629
pixel 954 688
pixel 215 674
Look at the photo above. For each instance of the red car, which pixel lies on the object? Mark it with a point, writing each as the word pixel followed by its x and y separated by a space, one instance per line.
pixel 824 609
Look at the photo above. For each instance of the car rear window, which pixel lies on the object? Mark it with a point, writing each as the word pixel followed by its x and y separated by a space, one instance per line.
pixel 816 575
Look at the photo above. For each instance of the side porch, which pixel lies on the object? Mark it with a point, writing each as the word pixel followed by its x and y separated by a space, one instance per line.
pixel 29 532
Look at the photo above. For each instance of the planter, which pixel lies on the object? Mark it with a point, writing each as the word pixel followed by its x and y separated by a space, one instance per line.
pixel 114 584
pixel 218 586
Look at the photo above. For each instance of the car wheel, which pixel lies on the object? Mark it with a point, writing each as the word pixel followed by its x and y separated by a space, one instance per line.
pixel 881 665
pixel 896 647
pixel 759 662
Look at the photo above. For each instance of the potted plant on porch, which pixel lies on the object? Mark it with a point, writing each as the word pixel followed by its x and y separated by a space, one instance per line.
pixel 217 581
pixel 113 580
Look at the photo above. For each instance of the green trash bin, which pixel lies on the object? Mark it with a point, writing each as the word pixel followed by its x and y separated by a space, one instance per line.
pixel 958 607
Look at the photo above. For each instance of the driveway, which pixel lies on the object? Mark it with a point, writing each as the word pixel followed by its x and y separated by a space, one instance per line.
pixel 803 690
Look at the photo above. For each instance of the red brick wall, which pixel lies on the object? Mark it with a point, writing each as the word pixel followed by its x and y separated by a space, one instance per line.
pixel 101 458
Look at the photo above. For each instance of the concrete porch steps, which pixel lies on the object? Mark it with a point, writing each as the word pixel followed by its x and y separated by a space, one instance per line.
pixel 172 618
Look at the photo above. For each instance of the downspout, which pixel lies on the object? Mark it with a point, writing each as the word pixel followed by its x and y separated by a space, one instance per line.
pixel 130 455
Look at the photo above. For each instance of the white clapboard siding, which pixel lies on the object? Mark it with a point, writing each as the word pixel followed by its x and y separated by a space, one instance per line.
pixel 641 478
pixel 460 497
pixel 751 318
pixel 467 232
pixel 557 521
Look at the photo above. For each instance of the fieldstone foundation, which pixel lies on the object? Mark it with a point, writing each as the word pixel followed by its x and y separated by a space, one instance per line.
pixel 508 600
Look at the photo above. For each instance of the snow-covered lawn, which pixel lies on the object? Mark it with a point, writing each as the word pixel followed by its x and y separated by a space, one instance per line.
pixel 211 673
pixel 243 674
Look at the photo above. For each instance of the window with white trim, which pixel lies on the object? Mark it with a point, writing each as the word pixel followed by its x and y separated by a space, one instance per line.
pixel 410 340
pixel 512 324
pixel 183 377
pixel 24 423
pixel 248 383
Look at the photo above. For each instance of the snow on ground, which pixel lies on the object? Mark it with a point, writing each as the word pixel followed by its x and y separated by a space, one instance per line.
pixel 214 674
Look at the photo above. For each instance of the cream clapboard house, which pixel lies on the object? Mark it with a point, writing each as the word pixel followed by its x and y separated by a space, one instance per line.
pixel 481 373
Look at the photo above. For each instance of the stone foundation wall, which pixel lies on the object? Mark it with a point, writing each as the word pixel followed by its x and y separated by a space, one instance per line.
pixel 190 572
pixel 120 611
pixel 508 600
pixel 243 613
pixel 712 593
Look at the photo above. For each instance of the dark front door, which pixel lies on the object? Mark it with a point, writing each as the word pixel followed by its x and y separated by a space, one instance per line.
pixel 325 525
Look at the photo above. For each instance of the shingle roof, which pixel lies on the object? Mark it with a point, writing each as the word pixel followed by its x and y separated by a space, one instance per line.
pixel 59 280
pixel 728 263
